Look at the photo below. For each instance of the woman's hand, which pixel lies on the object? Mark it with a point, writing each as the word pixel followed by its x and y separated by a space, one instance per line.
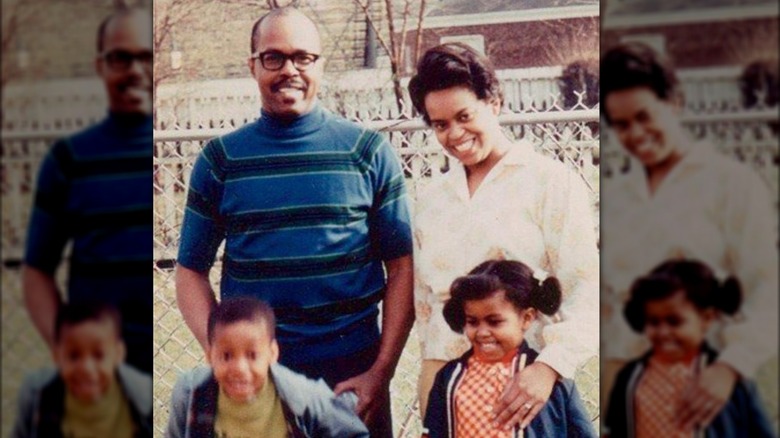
pixel 707 396
pixel 525 395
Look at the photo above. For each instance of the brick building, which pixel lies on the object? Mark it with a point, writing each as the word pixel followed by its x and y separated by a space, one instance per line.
pixel 696 33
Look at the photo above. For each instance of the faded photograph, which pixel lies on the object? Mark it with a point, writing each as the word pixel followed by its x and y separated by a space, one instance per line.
pixel 303 162
pixel 689 244
pixel 76 209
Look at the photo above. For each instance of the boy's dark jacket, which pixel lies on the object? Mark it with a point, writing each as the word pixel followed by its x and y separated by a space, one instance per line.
pixel 742 416
pixel 563 415
pixel 42 403
pixel 310 408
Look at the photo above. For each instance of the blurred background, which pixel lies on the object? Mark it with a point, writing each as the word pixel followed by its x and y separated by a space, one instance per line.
pixel 726 57
pixel 49 90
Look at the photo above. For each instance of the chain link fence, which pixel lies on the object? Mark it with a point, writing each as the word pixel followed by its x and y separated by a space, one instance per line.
pixel 568 133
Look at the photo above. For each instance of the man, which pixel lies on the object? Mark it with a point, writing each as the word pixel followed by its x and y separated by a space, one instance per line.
pixel 681 199
pixel 94 190
pixel 312 210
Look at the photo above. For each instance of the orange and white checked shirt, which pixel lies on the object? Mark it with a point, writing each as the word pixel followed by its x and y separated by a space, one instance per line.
pixel 477 394
pixel 657 398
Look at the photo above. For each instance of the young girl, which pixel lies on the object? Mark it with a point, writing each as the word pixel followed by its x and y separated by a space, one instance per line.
pixel 673 307
pixel 493 306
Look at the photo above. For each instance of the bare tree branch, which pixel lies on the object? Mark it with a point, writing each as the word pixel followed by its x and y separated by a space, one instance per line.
pixel 371 23
pixel 419 36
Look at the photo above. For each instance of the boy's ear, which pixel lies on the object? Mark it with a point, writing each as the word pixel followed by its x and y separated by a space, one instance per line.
pixel 208 355
pixel 274 351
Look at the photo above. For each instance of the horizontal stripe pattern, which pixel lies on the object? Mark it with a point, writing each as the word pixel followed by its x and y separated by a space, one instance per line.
pixel 295 212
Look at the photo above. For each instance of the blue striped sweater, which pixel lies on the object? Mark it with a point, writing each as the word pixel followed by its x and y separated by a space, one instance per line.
pixel 308 211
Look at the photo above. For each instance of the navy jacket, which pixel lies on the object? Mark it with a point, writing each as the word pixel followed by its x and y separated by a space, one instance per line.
pixel 742 416
pixel 563 415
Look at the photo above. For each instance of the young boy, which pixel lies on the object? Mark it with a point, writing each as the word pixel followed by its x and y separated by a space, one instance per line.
pixel 91 393
pixel 246 393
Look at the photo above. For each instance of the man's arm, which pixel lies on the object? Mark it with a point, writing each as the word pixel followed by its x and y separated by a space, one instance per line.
pixel 195 299
pixel 42 300
pixel 397 313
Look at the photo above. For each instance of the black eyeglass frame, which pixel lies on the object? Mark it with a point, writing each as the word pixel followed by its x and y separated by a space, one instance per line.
pixel 122 60
pixel 285 57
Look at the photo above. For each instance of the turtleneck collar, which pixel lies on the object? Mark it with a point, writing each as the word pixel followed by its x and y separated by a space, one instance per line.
pixel 129 124
pixel 304 124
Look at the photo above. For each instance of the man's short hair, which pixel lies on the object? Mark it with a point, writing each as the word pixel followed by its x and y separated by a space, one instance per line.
pixel 71 314
pixel 635 64
pixel 275 13
pixel 233 310
pixel 120 12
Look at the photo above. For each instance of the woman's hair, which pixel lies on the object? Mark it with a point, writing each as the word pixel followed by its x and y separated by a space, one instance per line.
pixel 632 65
pixel 453 65
pixel 514 278
pixel 693 278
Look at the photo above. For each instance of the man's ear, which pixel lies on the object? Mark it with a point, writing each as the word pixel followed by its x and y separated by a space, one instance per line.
pixel 99 65
pixel 250 62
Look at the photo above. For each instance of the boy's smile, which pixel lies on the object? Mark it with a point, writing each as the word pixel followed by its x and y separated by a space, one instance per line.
pixel 241 354
pixel 87 355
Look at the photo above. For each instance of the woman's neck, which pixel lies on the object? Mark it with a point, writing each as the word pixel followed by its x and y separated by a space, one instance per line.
pixel 658 172
pixel 476 173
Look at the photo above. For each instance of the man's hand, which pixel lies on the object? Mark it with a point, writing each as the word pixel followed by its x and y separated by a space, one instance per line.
pixel 371 388
pixel 525 395
pixel 705 398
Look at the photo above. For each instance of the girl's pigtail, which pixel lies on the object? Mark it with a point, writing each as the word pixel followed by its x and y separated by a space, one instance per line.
pixel 728 296
pixel 547 296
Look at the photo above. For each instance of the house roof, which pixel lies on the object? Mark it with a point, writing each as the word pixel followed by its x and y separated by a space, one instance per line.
pixel 441 8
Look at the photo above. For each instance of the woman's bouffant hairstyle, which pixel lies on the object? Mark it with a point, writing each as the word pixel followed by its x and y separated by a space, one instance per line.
pixel 635 64
pixel 695 279
pixel 514 278
pixel 453 65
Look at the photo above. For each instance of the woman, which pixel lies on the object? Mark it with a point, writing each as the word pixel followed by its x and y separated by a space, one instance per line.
pixel 504 200
pixel 681 199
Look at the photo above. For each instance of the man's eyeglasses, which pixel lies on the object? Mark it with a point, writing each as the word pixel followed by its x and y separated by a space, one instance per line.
pixel 273 60
pixel 121 60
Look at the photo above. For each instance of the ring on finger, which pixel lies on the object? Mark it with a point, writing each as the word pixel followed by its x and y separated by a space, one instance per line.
pixel 528 406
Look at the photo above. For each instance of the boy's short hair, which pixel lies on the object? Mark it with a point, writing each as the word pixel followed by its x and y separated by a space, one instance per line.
pixel 71 314
pixel 233 310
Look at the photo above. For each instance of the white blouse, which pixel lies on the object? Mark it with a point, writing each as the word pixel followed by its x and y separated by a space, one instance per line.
pixel 709 208
pixel 530 208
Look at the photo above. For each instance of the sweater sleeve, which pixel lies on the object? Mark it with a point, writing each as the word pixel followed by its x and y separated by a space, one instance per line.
pixel 203 227
pixel 390 216
pixel 47 232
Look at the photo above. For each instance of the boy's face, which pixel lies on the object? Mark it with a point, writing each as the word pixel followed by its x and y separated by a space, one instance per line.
pixel 675 327
pixel 495 327
pixel 87 355
pixel 241 354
